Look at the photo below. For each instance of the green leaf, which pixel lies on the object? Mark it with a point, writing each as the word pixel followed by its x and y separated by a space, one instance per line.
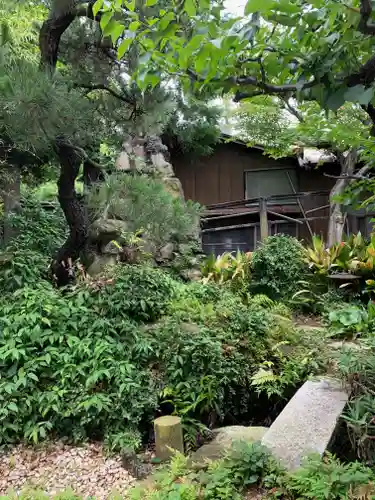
pixel 262 6
pixel 130 4
pixel 360 94
pixel 283 19
pixel 190 8
pixel 13 407
pixel 106 17
pixel 152 79
pixel 115 30
pixel 123 47
pixel 134 25
pixel 165 20
pixel 97 6
pixel 366 96
pixel 150 3
pixel 144 58
pixel 336 99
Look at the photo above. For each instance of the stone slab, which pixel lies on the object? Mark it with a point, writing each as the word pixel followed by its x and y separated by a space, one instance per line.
pixel 224 438
pixel 307 423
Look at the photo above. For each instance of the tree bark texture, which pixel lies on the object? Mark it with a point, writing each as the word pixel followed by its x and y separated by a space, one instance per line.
pixel 69 157
pixel 74 213
pixel 338 216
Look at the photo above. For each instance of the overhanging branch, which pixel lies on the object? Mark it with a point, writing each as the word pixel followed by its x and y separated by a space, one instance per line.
pixel 52 30
pixel 100 86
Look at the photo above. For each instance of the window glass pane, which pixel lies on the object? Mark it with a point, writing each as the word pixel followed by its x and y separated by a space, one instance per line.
pixel 266 183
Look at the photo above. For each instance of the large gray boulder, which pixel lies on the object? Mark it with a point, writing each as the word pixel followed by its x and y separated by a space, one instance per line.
pixel 105 230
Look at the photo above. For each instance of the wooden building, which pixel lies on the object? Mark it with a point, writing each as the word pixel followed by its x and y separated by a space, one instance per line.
pixel 237 184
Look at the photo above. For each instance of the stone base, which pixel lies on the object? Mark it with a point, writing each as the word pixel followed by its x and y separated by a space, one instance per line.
pixel 223 441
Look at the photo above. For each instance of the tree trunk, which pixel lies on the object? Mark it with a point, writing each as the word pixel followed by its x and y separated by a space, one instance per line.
pixel 91 174
pixel 11 195
pixel 337 213
pixel 74 213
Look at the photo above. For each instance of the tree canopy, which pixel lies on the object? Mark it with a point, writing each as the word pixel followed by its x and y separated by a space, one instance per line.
pixel 316 49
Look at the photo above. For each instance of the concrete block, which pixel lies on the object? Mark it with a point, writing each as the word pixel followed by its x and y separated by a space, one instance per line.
pixel 307 423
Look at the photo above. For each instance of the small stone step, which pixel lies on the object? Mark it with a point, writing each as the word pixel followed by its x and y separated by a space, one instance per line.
pixel 224 438
pixel 307 423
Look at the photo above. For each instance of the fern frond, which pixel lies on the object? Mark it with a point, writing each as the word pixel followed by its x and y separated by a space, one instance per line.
pixel 263 376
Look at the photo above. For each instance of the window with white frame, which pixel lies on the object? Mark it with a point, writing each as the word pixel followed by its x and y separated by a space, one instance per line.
pixel 264 183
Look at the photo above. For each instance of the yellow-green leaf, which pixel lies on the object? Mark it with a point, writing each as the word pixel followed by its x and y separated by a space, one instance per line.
pixel 97 6
pixel 114 30
pixel 106 17
pixel 123 47
pixel 190 8
pixel 134 25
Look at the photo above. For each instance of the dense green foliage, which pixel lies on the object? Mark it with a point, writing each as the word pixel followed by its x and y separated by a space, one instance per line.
pixel 98 360
pixel 26 260
pixel 250 465
pixel 277 266
pixel 146 205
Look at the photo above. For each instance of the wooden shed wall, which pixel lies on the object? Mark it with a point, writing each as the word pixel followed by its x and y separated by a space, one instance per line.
pixel 221 178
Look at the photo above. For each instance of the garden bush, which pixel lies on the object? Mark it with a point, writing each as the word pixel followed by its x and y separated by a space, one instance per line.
pixel 102 358
pixel 67 369
pixel 249 465
pixel 139 291
pixel 89 362
pixel 277 266
pixel 41 231
pixel 146 205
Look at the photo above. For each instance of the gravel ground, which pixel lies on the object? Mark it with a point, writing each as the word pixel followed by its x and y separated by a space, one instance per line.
pixel 52 469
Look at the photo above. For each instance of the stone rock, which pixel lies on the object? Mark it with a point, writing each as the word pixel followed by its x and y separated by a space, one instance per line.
pixel 223 441
pixel 173 186
pixel 111 248
pixel 105 230
pixel 161 165
pixel 192 274
pixel 168 437
pixel 342 344
pixel 307 423
pixel 166 252
pixel 101 263
pixel 122 162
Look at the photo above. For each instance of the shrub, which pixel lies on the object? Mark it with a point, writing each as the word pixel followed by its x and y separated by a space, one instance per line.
pixel 328 479
pixel 227 267
pixel 277 266
pixel 140 292
pixel 69 369
pixel 348 321
pixel 26 259
pixel 246 465
pixel 41 228
pixel 146 205
pixel 357 367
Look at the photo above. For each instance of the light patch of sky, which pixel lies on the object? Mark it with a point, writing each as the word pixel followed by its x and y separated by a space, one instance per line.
pixel 235 6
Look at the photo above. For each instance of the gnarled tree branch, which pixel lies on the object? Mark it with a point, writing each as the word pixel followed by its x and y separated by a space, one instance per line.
pixel 100 86
pixel 365 26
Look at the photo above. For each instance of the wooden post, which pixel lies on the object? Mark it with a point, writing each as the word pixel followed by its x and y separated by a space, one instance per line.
pixel 300 206
pixel 263 218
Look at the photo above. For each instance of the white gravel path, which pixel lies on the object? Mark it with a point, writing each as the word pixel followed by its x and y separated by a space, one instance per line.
pixel 86 470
